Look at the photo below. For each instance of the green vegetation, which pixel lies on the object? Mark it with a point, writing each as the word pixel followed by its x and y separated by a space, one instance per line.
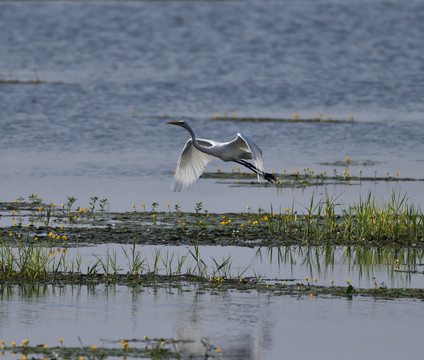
pixel 368 222
pixel 131 348
pixel 35 247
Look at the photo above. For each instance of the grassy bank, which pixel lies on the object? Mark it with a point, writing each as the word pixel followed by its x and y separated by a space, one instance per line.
pixel 368 222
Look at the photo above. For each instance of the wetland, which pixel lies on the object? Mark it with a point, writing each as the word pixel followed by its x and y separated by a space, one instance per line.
pixel 107 262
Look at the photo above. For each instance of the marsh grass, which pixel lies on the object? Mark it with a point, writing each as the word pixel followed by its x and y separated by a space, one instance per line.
pixel 394 222
pixel 31 262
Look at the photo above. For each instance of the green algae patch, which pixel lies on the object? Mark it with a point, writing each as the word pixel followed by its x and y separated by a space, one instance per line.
pixel 299 180
pixel 395 223
pixel 215 285
pixel 151 348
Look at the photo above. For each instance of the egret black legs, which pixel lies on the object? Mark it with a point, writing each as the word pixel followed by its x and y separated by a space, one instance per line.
pixel 267 176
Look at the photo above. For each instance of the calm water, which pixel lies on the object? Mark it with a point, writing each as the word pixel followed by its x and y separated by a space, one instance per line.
pixel 243 325
pixel 75 136
pixel 362 266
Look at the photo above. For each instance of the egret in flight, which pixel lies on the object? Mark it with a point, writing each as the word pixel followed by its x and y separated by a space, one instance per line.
pixel 198 152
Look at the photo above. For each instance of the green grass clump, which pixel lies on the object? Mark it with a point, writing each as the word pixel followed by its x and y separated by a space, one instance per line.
pixel 394 222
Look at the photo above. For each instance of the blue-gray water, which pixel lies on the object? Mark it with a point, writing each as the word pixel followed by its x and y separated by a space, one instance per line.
pixel 75 136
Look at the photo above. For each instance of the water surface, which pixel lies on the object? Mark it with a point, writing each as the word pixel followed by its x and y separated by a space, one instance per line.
pixel 75 135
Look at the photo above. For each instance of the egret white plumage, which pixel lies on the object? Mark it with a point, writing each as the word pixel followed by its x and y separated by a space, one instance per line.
pixel 198 152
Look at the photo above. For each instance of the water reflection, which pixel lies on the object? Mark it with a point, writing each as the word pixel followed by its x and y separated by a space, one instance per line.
pixel 365 266
pixel 254 323
pixel 369 263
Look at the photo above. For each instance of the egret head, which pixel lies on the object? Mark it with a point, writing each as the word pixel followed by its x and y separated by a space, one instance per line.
pixel 179 123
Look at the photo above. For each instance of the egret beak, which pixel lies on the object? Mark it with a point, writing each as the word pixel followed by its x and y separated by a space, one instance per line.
pixel 174 123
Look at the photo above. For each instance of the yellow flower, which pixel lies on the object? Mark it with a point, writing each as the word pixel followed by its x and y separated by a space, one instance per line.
pixel 35 238
pixel 94 347
pixel 154 216
pixel 215 116
pixel 45 346
pixel 167 204
pixel 218 350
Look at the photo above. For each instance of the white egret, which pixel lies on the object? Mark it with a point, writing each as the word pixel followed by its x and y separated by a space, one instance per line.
pixel 198 152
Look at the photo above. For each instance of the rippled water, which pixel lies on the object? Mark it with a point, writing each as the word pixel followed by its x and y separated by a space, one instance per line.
pixel 75 135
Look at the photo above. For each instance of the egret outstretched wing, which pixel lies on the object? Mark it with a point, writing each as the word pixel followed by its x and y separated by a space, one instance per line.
pixel 246 148
pixel 191 164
